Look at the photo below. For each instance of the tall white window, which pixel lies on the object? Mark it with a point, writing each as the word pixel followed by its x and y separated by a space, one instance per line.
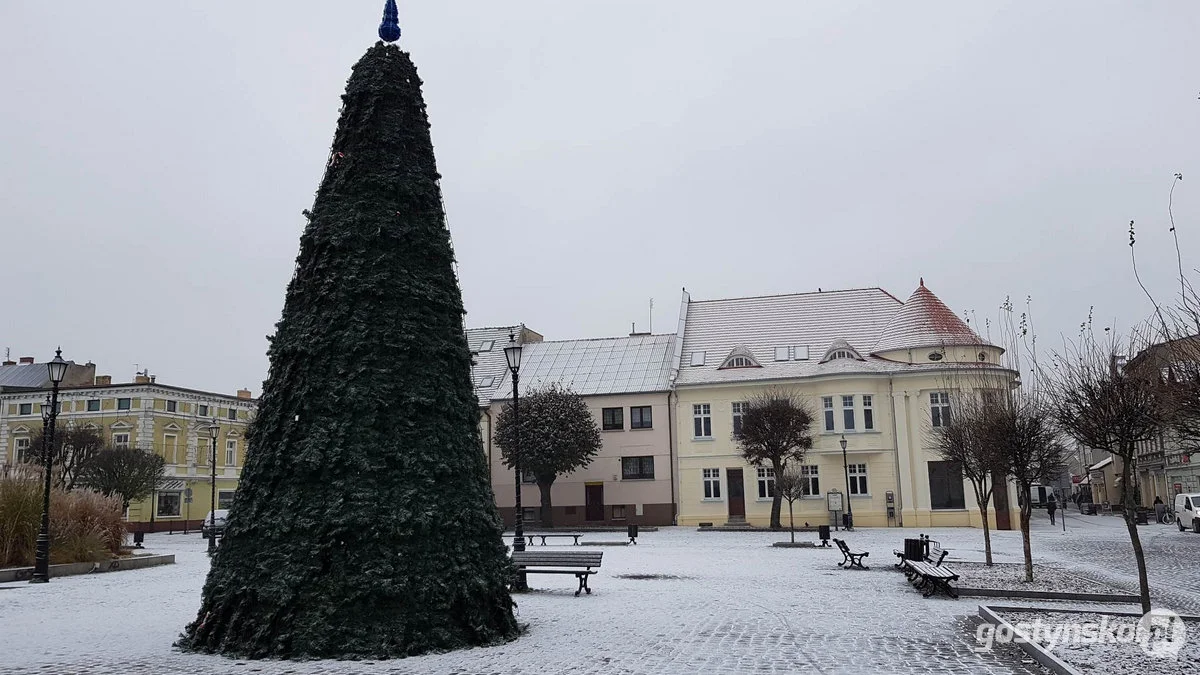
pixel 22 454
pixel 739 409
pixel 808 474
pixel 766 483
pixel 827 404
pixel 939 408
pixel 848 413
pixel 170 448
pixel 868 412
pixel 702 420
pixel 231 452
pixel 712 483
pixel 858 479
pixel 121 440
pixel 203 450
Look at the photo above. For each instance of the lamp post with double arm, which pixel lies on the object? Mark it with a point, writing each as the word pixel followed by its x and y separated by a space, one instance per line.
pixel 512 354
pixel 41 564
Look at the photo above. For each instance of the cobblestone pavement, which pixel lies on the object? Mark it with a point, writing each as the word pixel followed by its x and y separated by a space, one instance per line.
pixel 738 606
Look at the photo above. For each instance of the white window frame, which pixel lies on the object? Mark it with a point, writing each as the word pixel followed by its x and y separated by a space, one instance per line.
pixel 939 409
pixel 858 480
pixel 841 354
pixel 737 408
pixel 24 409
pixel 125 398
pixel 697 359
pixel 712 484
pixel 811 480
pixel 827 406
pixel 868 406
pixel 178 504
pixel 172 406
pixel 99 405
pixel 848 422
pixel 766 484
pixel 22 447
pixel 230 452
pixel 781 354
pixel 204 450
pixel 171 448
pixel 117 439
pixel 702 420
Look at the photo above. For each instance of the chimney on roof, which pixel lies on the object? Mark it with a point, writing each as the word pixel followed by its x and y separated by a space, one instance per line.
pixel 8 362
pixel 103 380
pixel 141 379
pixel 244 394
pixel 26 360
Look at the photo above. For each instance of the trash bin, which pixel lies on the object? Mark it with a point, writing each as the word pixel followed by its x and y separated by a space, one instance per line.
pixel 1141 517
pixel 633 533
pixel 914 549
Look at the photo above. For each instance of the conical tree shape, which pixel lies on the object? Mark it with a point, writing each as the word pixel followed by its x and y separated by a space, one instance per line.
pixel 364 525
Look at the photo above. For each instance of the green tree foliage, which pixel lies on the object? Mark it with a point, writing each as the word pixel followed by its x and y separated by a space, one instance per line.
pixel 364 525
pixel 556 435
pixel 129 473
pixel 73 450
pixel 776 430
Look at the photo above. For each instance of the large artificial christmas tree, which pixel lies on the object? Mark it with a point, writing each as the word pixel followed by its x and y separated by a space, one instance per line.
pixel 364 525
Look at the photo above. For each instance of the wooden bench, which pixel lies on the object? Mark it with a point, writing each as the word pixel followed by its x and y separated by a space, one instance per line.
pixel 851 559
pixel 930 578
pixel 574 536
pixel 579 563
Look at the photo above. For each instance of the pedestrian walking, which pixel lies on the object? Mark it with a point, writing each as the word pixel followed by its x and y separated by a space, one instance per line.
pixel 1160 509
pixel 1051 507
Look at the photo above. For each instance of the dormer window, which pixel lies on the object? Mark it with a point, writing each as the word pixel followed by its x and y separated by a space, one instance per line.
pixel 740 357
pixel 935 356
pixel 840 349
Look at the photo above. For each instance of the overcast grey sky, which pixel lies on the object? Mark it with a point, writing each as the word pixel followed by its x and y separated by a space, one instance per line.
pixel 595 155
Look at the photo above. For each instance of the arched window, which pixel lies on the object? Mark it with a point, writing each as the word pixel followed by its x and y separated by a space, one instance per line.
pixel 740 357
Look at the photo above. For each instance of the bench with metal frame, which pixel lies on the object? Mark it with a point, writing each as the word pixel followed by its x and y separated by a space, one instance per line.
pixel 851 559
pixel 929 575
pixel 574 536
pixel 579 563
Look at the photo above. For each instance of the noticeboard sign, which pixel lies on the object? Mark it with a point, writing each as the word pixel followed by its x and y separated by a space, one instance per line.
pixel 834 500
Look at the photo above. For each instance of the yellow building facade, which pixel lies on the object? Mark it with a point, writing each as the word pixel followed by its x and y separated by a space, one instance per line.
pixel 170 421
pixel 876 372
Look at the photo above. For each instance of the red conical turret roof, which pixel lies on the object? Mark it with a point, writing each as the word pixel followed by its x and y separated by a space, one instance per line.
pixel 925 321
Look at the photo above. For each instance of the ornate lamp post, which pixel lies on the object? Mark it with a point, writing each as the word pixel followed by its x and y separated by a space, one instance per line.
pixel 41 565
pixel 512 353
pixel 848 517
pixel 213 430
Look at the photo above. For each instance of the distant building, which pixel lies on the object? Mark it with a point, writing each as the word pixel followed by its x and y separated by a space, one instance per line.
pixel 171 421
pixel 626 383
pixel 26 374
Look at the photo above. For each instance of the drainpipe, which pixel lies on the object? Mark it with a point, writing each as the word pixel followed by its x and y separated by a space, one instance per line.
pixel 671 451
pixel 896 452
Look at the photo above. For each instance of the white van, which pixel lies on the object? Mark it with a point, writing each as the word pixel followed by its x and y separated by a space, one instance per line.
pixel 1187 511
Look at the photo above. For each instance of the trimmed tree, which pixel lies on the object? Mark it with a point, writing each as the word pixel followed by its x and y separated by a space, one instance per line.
pixel 556 435
pixel 790 486
pixel 129 473
pixel 364 525
pixel 776 429
pixel 73 450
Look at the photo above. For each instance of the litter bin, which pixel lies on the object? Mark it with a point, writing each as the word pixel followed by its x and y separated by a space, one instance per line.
pixel 823 533
pixel 633 533
pixel 914 549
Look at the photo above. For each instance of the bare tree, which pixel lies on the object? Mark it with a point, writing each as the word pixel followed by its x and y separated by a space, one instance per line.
pixel 776 429
pixel 1023 429
pixel 73 450
pixel 790 485
pixel 556 435
pixel 965 441
pixel 1104 405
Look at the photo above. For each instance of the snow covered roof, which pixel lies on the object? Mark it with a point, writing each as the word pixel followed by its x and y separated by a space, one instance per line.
pixel 925 321
pixel 487 348
pixel 787 334
pixel 1101 464
pixel 618 365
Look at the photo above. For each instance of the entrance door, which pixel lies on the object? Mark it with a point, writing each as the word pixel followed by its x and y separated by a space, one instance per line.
pixel 593 501
pixel 737 493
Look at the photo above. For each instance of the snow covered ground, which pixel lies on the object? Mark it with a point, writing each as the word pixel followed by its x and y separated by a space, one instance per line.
pixel 738 605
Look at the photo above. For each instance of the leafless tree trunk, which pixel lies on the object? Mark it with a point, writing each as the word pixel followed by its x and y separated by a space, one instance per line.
pixel 1127 502
pixel 547 507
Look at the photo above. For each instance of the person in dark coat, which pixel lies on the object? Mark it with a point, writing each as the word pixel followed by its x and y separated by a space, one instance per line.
pixel 1051 507
pixel 1160 509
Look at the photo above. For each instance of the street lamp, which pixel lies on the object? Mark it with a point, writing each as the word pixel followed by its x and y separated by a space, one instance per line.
pixel 41 564
pixel 848 517
pixel 512 353
pixel 213 430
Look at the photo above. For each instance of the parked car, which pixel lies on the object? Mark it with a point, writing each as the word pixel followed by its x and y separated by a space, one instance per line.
pixel 214 523
pixel 1187 511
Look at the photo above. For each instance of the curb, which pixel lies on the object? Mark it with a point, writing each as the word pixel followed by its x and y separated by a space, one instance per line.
pixel 1046 595
pixel 71 569
pixel 1038 652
